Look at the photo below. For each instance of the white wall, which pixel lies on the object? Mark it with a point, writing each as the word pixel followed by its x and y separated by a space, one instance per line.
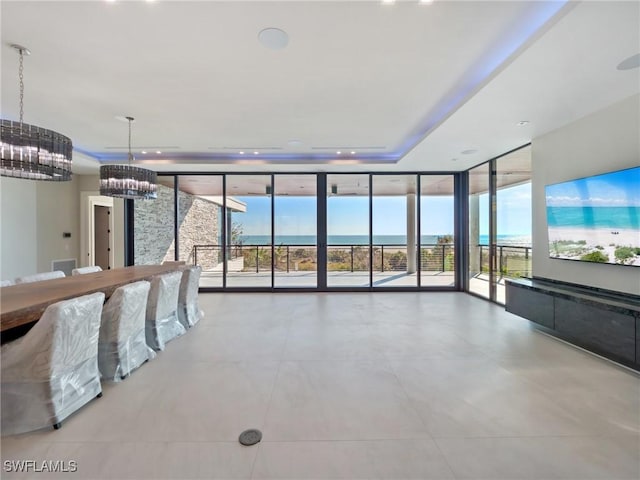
pixel 57 211
pixel 602 142
pixel 33 217
pixel 18 233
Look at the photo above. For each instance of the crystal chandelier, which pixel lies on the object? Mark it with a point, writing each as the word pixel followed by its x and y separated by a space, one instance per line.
pixel 31 152
pixel 127 181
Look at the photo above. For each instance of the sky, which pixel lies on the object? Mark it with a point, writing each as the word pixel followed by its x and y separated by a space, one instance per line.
pixel 616 189
pixel 348 215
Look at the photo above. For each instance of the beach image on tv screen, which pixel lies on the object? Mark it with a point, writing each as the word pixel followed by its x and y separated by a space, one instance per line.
pixel 596 219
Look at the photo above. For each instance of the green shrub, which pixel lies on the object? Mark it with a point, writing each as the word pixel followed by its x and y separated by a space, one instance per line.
pixel 596 256
pixel 624 254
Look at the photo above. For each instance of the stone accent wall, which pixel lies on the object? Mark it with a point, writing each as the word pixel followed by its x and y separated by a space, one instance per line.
pixel 198 225
pixel 199 221
pixel 153 228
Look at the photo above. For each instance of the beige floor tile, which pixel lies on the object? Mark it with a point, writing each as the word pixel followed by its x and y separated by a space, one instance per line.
pixel 339 400
pixel 573 458
pixel 385 459
pixel 355 385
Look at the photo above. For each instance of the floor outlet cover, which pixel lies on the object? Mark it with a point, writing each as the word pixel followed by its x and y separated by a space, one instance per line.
pixel 250 437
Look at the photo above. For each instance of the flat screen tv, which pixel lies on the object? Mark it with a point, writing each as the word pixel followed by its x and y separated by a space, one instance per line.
pixel 596 219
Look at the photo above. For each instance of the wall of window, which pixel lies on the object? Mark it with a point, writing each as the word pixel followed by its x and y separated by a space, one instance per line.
pixel 280 231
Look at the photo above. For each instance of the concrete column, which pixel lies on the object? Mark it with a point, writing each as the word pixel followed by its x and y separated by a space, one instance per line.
pixel 474 234
pixel 411 233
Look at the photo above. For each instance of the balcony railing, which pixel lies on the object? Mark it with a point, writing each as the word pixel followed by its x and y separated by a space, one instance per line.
pixel 340 258
pixel 512 261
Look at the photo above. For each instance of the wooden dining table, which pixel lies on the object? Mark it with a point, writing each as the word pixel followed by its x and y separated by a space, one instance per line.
pixel 25 303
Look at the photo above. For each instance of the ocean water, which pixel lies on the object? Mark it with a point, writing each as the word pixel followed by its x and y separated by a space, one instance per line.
pixel 364 239
pixel 594 217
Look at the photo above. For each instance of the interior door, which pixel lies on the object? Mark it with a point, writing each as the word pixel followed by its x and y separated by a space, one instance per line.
pixel 101 234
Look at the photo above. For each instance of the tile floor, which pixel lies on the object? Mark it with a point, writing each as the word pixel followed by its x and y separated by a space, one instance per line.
pixel 355 386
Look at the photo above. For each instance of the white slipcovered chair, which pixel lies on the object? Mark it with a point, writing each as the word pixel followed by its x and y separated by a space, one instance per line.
pixel 83 270
pixel 53 370
pixel 174 263
pixel 6 283
pixel 122 346
pixel 188 311
pixel 38 277
pixel 162 322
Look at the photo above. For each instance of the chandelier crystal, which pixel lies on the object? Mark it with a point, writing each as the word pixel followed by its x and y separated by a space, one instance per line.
pixel 31 152
pixel 128 181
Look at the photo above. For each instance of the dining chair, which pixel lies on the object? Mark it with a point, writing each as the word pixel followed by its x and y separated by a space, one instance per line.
pixel 83 270
pixel 189 312
pixel 162 323
pixel 122 345
pixel 176 263
pixel 53 370
pixel 38 277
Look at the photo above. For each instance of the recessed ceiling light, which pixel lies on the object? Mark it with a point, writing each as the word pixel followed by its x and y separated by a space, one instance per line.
pixel 338 152
pixel 256 153
pixel 522 123
pixel 353 153
pixel 426 2
pixel 388 2
pixel 630 63
pixel 274 38
pixel 241 153
pixel 158 152
pixel 144 152
pixel 469 152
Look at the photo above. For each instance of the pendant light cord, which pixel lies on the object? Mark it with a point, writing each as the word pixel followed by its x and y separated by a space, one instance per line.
pixel 21 77
pixel 130 154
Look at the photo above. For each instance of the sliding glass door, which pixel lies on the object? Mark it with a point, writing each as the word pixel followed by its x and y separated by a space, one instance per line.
pixel 437 227
pixel 395 231
pixel 200 225
pixel 295 225
pixel 248 231
pixel 513 218
pixel 479 272
pixel 348 231
pixel 499 208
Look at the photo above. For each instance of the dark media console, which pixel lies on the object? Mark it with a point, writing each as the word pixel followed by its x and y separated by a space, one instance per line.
pixel 602 321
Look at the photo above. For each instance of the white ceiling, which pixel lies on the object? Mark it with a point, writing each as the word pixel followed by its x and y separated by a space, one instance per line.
pixel 406 86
